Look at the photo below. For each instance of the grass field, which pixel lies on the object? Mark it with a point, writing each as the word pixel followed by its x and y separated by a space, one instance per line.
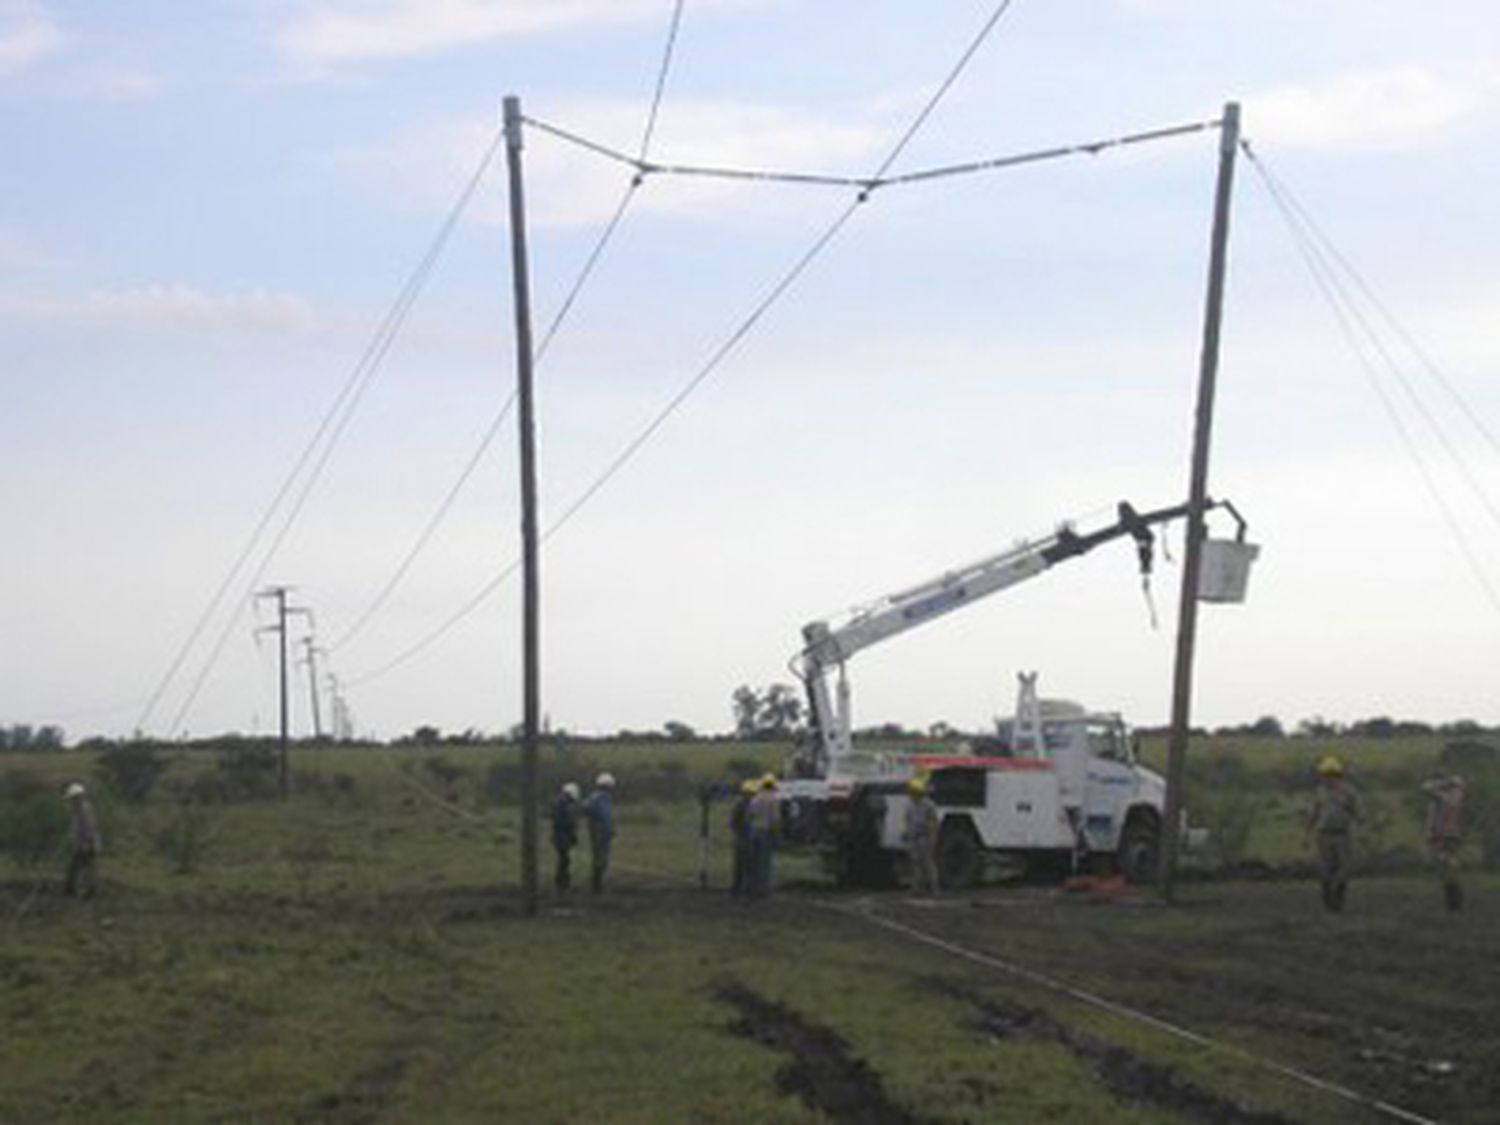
pixel 360 953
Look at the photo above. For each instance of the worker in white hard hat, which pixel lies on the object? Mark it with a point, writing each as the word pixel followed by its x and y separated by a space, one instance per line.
pixel 600 810
pixel 1445 804
pixel 1334 813
pixel 84 842
pixel 921 835
pixel 564 835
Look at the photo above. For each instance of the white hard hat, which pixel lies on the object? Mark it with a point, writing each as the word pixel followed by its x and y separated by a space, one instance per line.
pixel 605 781
pixel 571 789
pixel 74 789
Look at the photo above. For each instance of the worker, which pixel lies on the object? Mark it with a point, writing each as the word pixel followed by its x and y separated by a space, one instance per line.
pixel 763 813
pixel 1445 803
pixel 921 836
pixel 739 833
pixel 565 835
pixel 84 842
pixel 599 808
pixel 1334 813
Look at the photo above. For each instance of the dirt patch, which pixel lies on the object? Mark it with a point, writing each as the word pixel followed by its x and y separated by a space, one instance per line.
pixel 821 1071
pixel 1129 1077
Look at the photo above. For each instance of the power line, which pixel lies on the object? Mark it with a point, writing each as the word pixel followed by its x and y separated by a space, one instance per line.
pixel 870 183
pixel 1431 365
pixel 1327 248
pixel 332 425
pixel 558 319
pixel 661 78
pixel 740 332
pixel 1331 288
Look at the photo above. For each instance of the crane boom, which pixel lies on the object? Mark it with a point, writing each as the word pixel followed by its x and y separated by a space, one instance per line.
pixel 827 647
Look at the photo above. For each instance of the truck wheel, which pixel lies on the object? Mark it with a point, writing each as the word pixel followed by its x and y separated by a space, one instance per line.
pixel 959 855
pixel 1138 850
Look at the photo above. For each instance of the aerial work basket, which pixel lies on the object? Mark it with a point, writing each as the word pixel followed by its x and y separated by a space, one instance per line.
pixel 1224 570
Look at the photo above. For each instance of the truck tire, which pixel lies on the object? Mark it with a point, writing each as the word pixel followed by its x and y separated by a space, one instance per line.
pixel 1139 844
pixel 959 855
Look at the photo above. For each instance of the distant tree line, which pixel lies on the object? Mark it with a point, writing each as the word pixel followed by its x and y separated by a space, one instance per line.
pixel 24 737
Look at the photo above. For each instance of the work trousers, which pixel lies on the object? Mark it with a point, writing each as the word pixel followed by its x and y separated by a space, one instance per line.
pixel 924 872
pixel 563 873
pixel 762 863
pixel 600 856
pixel 81 878
pixel 1334 852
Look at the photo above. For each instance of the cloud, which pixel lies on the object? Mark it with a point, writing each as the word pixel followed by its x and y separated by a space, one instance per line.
pixel 19 252
pixel 175 306
pixel 27 33
pixel 1385 109
pixel 334 32
pixel 568 186
pixel 115 84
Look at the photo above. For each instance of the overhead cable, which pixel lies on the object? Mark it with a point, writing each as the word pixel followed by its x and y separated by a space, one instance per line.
pixel 541 350
pixel 735 337
pixel 326 436
pixel 870 183
pixel 1439 376
pixel 1337 298
pixel 1284 194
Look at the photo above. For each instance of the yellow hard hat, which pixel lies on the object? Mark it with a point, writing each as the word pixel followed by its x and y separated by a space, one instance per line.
pixel 768 782
pixel 749 786
pixel 917 784
pixel 1330 766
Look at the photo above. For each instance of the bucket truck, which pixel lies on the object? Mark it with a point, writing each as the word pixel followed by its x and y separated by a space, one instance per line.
pixel 1059 784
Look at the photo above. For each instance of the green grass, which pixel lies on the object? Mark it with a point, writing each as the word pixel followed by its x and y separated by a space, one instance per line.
pixel 365 956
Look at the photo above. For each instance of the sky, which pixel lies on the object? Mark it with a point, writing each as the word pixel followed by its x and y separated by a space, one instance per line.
pixel 210 208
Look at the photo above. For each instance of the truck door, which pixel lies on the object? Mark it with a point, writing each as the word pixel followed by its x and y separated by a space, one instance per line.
pixel 1111 783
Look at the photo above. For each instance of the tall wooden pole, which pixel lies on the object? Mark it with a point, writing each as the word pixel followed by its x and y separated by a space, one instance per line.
pixel 1187 617
pixel 531 693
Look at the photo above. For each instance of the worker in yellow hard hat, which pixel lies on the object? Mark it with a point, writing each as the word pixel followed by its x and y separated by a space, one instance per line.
pixel 765 816
pixel 921 834
pixel 1334 813
pixel 739 832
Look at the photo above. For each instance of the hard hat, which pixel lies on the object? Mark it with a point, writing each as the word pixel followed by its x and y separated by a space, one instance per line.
pixel 605 781
pixel 917 784
pixel 74 789
pixel 1330 766
pixel 571 789
pixel 768 782
pixel 749 786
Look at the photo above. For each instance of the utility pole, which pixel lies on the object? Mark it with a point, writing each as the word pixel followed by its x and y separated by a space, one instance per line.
pixel 336 706
pixel 1187 617
pixel 530 642
pixel 283 611
pixel 312 683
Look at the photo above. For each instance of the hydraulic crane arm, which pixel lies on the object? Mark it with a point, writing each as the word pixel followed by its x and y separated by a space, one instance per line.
pixel 827 646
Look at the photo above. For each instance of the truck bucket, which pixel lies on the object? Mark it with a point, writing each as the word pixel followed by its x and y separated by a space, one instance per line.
pixel 1225 570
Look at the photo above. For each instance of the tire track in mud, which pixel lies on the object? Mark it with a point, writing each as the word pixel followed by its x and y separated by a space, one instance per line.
pixel 822 1071
pixel 1128 1077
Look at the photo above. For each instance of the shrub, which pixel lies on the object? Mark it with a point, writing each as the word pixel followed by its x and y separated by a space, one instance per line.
pixel 130 770
pixel 33 822
pixel 249 773
pixel 183 838
pixel 1230 814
